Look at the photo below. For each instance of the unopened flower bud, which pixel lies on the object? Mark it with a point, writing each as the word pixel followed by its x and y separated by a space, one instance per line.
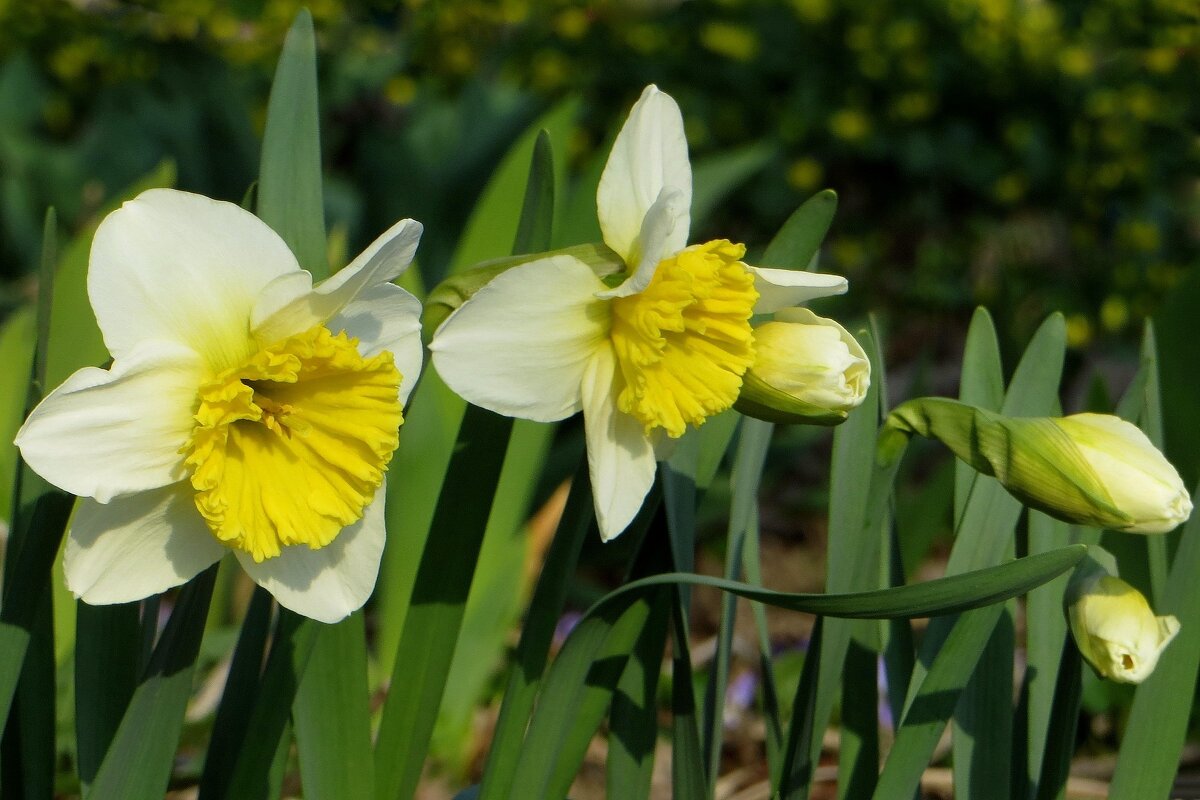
pixel 1088 469
pixel 807 369
pixel 1115 629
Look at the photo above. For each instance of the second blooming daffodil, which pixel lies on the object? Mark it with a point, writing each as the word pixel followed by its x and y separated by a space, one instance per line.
pixel 660 344
pixel 245 410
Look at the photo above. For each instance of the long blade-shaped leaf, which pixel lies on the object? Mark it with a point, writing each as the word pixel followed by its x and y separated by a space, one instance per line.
pixel 139 761
pixel 1157 727
pixel 289 181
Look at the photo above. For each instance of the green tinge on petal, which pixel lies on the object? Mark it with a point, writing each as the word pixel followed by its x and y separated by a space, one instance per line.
pixel 1032 457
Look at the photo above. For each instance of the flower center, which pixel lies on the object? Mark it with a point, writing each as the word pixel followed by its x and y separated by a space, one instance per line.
pixel 684 342
pixel 290 446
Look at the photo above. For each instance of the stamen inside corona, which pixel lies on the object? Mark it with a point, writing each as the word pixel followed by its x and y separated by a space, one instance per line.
pixel 290 446
pixel 684 342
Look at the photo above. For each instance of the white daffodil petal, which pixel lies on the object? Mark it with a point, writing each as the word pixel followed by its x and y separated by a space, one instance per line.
pixel 104 433
pixel 649 154
pixel 175 266
pixel 288 307
pixel 386 318
pixel 657 241
pixel 331 583
pixel 137 546
pixel 520 345
pixel 784 288
pixel 620 457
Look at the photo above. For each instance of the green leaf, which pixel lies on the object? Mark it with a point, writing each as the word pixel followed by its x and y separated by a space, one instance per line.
pixel 1158 721
pixel 537 213
pixel 438 601
pixel 859 494
pixel 982 385
pixel 545 608
pixel 289 178
pixel 330 714
pixel 983 720
pixel 18 338
pixel 747 473
pixel 577 690
pixel 27 749
pixel 717 176
pixel 799 240
pixel 940 597
pixel 579 685
pixel 238 699
pixel 497 591
pixel 254 773
pixel 139 761
pixel 434 614
pixel 930 708
pixel 496 218
pixel 1062 725
pixel 796 769
pixel 984 537
pixel 107 667
pixel 687 761
pixel 633 720
pixel 435 415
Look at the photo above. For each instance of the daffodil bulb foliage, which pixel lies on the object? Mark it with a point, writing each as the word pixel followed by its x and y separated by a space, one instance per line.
pixel 655 347
pixel 1114 627
pixel 1088 469
pixel 807 369
pixel 245 410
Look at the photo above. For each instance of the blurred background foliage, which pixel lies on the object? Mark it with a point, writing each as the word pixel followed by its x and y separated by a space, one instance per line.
pixel 1025 154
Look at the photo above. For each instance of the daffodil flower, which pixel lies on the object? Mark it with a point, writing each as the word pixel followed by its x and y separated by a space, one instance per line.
pixel 245 410
pixel 662 350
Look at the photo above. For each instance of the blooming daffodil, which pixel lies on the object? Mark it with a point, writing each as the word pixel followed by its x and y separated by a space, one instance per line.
pixel 659 346
pixel 245 409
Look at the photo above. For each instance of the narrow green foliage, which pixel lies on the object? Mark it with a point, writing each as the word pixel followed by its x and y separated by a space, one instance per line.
pixel 545 608
pixel 237 700
pixel 435 610
pixel 330 714
pixel 633 720
pixel 931 706
pixel 139 761
pixel 859 496
pixel 254 773
pixel 687 761
pixel 1062 725
pixel 1157 724
pixel 438 601
pixel 289 180
pixel 797 243
pixel 716 177
pixel 797 767
pixel 107 668
pixel 747 474
pixel 537 212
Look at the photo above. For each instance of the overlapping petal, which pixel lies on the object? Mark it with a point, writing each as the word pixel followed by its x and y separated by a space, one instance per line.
pixel 137 546
pixel 657 239
pixel 649 155
pixel 105 433
pixel 621 459
pixel 291 304
pixel 783 288
pixel 521 345
pixel 179 267
pixel 386 317
pixel 331 583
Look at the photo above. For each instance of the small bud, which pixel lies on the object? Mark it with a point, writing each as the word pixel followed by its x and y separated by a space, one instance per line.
pixel 1088 469
pixel 807 369
pixel 1114 627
